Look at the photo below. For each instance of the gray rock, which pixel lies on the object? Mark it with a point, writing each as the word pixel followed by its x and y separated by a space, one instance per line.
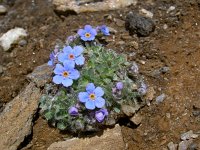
pixel 172 146
pixel 41 75
pixel 188 135
pixel 183 145
pixel 111 139
pixel 137 24
pixel 3 10
pixel 160 98
pixel 129 110
pixel 22 42
pixel 16 118
pixel 146 13
pixel 66 6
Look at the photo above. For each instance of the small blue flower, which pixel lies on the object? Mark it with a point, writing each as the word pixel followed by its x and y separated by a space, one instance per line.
pixel 72 54
pixel 92 97
pixel 88 33
pixel 73 111
pixel 104 29
pixel 119 85
pixel 65 75
pixel 53 57
pixel 101 114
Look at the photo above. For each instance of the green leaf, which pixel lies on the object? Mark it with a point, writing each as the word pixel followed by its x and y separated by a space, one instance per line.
pixel 61 125
pixel 48 115
pixel 117 110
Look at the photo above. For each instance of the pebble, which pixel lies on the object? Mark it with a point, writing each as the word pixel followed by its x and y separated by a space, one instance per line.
pixel 140 25
pixel 134 44
pixel 22 42
pixel 171 8
pixel 3 10
pixel 183 145
pixel 160 98
pixel 12 37
pixel 129 110
pixel 172 146
pixel 146 13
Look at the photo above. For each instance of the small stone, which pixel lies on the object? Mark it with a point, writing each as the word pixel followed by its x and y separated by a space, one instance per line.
pixel 150 94
pixel 165 26
pixel 183 145
pixel 146 13
pixel 129 110
pixel 121 43
pixel 3 10
pixel 136 119
pixel 160 98
pixel 12 37
pixel 171 8
pixel 137 24
pixel 119 22
pixel 22 42
pixel 164 69
pixel 188 135
pixel 172 146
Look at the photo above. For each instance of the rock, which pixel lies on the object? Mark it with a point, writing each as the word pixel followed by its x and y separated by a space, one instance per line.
pixel 183 145
pixel 3 10
pixel 41 75
pixel 111 139
pixel 66 6
pixel 136 119
pixel 16 118
pixel 150 94
pixel 137 24
pixel 188 135
pixel 172 146
pixel 12 37
pixel 160 98
pixel 129 110
pixel 22 42
pixel 146 13
pixel 171 8
pixel 134 44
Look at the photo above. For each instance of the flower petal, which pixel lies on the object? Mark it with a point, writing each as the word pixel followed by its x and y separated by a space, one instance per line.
pixel 57 79
pixel 99 102
pixel 83 97
pixel 90 104
pixel 93 32
pixel 69 64
pixel 87 28
pixel 67 82
pixel 66 49
pixel 90 87
pixel 81 32
pixel 78 50
pixel 74 74
pixel 50 63
pixel 99 92
pixel 62 57
pixel 80 60
pixel 58 69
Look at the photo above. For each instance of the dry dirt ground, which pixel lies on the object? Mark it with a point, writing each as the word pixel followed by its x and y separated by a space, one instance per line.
pixel 174 43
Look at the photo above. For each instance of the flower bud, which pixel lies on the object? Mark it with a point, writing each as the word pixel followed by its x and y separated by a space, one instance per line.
pixel 119 85
pixel 73 111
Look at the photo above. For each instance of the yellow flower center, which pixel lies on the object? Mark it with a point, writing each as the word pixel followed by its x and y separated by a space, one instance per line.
pixel 87 35
pixel 71 56
pixel 65 74
pixel 92 96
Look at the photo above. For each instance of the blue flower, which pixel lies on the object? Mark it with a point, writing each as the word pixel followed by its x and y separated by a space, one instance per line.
pixel 52 59
pixel 88 33
pixel 72 54
pixel 119 85
pixel 101 114
pixel 92 97
pixel 65 74
pixel 73 111
pixel 104 29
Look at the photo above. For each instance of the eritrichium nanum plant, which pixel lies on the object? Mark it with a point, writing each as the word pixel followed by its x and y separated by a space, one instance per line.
pixel 90 83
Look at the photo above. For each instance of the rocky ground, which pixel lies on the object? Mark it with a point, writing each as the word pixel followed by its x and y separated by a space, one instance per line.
pixel 165 45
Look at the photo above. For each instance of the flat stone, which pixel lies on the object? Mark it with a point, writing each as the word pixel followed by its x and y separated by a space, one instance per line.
pixel 16 118
pixel 188 135
pixel 172 146
pixel 129 110
pixel 41 75
pixel 160 98
pixel 66 6
pixel 183 145
pixel 111 139
pixel 136 119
